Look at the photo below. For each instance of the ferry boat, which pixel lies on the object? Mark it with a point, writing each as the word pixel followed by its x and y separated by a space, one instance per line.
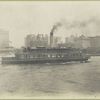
pixel 46 55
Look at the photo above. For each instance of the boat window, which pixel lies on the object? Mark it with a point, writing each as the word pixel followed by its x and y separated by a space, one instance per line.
pixel 49 56
pixel 62 55
pixel 39 55
pixel 31 56
pixel 52 56
pixel 66 55
pixel 58 55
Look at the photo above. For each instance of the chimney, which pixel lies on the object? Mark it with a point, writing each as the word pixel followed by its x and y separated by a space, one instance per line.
pixel 51 39
pixel 52 32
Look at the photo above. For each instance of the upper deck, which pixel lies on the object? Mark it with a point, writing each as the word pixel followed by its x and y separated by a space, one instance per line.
pixel 48 50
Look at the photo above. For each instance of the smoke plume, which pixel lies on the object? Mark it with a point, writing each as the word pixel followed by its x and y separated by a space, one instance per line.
pixel 55 27
pixel 90 26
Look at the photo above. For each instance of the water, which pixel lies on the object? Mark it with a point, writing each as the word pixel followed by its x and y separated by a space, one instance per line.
pixel 51 79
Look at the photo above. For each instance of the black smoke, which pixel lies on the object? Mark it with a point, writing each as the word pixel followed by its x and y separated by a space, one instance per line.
pixel 55 27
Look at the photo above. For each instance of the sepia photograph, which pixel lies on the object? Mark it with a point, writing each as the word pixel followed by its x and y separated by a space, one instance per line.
pixel 49 49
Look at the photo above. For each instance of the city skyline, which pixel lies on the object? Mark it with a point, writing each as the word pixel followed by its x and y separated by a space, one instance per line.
pixel 23 18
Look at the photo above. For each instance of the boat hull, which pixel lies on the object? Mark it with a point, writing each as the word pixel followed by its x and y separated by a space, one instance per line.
pixel 39 61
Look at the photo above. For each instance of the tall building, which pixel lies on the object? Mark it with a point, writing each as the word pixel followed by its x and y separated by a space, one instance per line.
pixel 95 42
pixel 4 39
pixel 39 40
pixel 56 41
pixel 80 42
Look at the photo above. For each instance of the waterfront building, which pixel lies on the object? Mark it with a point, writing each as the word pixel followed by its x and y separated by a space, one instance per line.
pixel 95 42
pixel 39 40
pixel 80 42
pixel 56 41
pixel 94 45
pixel 4 39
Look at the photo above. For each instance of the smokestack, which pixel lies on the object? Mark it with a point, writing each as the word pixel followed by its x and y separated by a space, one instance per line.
pixel 51 38
pixel 52 32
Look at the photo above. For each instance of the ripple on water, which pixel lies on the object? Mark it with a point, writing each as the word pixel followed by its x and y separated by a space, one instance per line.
pixel 51 78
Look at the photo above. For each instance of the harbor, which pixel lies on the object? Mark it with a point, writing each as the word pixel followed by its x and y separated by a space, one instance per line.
pixel 51 79
pixel 49 50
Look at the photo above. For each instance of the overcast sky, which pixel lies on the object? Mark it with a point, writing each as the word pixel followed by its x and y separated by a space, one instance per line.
pixel 31 17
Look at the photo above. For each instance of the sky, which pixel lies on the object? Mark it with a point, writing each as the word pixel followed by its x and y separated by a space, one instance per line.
pixel 32 17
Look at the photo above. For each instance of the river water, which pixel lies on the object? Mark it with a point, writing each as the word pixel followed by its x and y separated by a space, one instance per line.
pixel 51 79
